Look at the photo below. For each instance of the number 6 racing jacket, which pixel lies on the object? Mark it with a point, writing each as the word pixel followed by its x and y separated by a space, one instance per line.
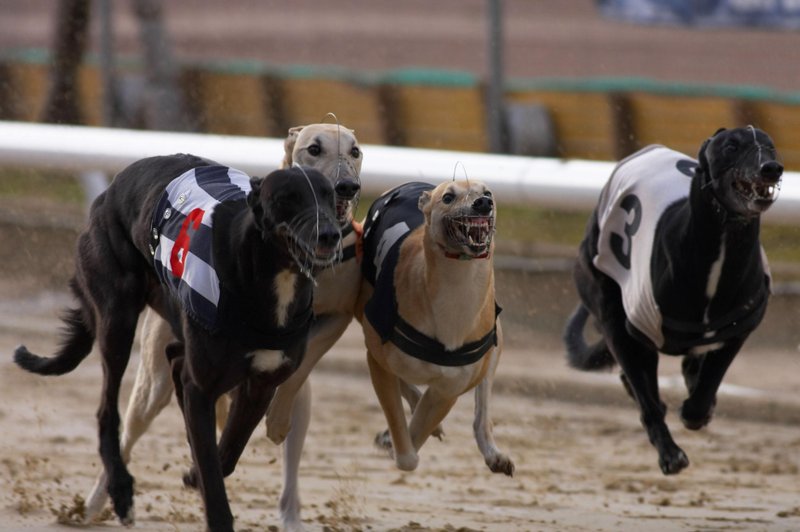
pixel 181 229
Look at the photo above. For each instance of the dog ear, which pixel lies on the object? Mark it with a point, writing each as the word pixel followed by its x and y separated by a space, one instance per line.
pixel 425 202
pixel 254 201
pixel 288 145
pixel 702 160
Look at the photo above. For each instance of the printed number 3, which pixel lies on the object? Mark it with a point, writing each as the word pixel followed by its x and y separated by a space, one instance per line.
pixel 177 259
pixel 621 246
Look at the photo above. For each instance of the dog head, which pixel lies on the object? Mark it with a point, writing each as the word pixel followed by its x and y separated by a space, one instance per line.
pixel 296 205
pixel 460 218
pixel 742 168
pixel 333 150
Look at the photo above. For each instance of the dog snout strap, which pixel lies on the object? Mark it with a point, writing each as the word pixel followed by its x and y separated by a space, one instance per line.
pixel 755 141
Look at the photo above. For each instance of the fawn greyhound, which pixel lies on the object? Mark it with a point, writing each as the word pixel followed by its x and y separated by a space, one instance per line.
pixel 428 311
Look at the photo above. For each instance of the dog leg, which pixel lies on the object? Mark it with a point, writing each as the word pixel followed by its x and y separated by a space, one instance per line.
pixel 432 408
pixel 412 396
pixel 249 403
pixel 627 386
pixel 703 376
pixel 198 411
pixel 387 389
pixel 115 347
pixel 151 392
pixel 292 452
pixel 482 425
pixel 640 367
pixel 323 335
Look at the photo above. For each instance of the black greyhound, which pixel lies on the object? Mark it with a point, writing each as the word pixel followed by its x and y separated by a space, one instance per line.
pixel 241 306
pixel 672 263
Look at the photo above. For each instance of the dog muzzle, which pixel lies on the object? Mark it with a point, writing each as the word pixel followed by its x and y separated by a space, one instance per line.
pixel 345 208
pixel 760 190
pixel 313 239
pixel 471 233
pixel 348 192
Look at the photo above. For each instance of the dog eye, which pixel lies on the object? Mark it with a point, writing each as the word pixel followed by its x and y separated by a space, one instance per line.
pixel 289 198
pixel 314 150
pixel 355 153
pixel 448 198
pixel 730 147
pixel 488 193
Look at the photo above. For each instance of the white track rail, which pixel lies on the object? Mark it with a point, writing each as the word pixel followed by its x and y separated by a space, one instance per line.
pixel 544 182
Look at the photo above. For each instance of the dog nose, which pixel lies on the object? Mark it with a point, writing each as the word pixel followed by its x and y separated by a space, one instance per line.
pixel 483 205
pixel 328 237
pixel 771 171
pixel 347 188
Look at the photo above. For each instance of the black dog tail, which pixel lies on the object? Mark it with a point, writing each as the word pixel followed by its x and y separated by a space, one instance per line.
pixel 580 355
pixel 77 345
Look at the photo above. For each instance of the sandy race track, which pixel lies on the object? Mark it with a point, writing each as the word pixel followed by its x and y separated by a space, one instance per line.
pixel 583 461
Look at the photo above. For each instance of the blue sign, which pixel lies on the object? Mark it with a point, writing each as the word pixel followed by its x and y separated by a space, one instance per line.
pixel 763 13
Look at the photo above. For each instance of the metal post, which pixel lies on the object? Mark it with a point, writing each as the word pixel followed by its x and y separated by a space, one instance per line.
pixel 495 114
pixel 107 67
pixel 94 182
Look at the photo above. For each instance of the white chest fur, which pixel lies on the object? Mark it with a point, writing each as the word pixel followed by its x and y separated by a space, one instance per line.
pixel 285 283
pixel 266 360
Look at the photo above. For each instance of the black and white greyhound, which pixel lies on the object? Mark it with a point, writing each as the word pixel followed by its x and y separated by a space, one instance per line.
pixel 226 260
pixel 672 263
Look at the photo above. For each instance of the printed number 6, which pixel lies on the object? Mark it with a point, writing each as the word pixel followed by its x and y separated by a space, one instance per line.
pixel 618 243
pixel 177 259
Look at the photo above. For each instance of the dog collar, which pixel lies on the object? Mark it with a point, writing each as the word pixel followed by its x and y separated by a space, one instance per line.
pixel 465 256
pixel 352 251
pixel 724 214
pixel 348 228
pixel 423 347
pixel 462 256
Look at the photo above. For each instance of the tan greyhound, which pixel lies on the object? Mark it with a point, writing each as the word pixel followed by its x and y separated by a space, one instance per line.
pixel 427 307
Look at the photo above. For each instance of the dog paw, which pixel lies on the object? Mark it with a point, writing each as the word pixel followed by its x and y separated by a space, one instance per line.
pixel 121 492
pixel 383 440
pixel 693 419
pixel 277 429
pixel 673 463
pixel 190 479
pixel 128 520
pixel 501 463
pixel 293 526
pixel 406 462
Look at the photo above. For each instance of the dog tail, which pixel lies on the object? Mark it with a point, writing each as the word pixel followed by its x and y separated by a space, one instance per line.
pixel 580 355
pixel 77 344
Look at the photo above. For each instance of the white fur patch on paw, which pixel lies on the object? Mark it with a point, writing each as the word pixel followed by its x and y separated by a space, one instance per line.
pixel 128 520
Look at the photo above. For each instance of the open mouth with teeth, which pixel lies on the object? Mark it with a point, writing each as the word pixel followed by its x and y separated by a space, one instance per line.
pixel 473 232
pixel 310 257
pixel 344 210
pixel 756 191
pixel 304 245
